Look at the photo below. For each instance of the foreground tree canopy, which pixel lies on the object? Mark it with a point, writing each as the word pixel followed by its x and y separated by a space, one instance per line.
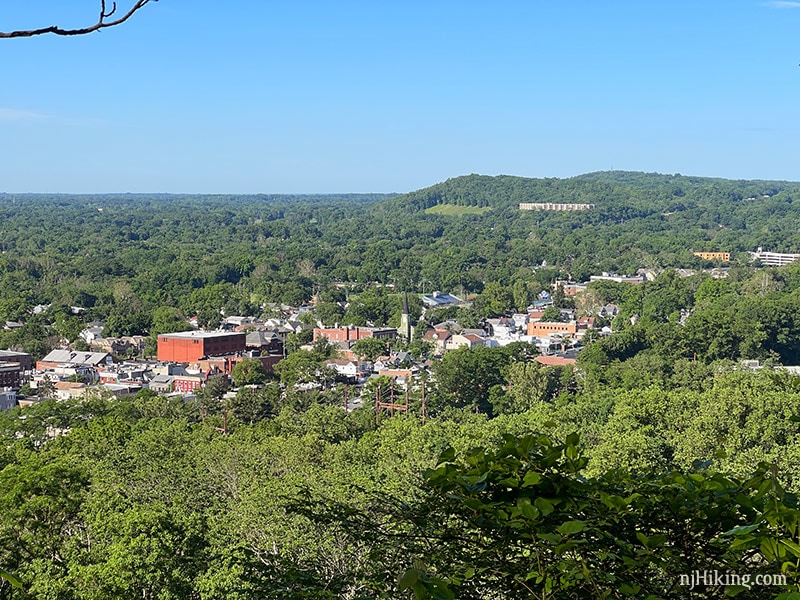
pixel 141 500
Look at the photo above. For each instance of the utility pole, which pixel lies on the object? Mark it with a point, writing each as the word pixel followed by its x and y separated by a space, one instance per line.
pixel 391 405
pixel 423 403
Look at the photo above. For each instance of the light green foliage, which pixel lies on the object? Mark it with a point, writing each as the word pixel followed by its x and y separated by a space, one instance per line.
pixel 370 348
pixel 464 377
pixel 330 313
pixel 248 371
pixel 137 502
pixel 524 293
pixel 496 299
pixel 216 387
pixel 302 366
pixel 255 404
pixel 167 319
pixel 551 314
pixel 529 383
pixel 455 211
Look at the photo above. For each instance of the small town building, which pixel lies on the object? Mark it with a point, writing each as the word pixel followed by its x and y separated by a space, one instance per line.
pixel 191 346
pixel 353 334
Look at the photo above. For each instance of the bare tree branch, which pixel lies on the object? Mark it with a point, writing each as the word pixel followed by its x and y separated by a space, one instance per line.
pixel 102 22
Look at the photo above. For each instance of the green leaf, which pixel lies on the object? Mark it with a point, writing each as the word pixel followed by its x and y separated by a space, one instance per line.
pixel 440 590
pixel 447 455
pixel 742 529
pixel 794 548
pixel 769 548
pixel 742 542
pixel 528 511
pixel 654 541
pixel 561 548
pixel 571 527
pixel 701 465
pixel 734 590
pixel 544 505
pixel 531 478
pixel 628 589
pixel 409 578
pixel 11 579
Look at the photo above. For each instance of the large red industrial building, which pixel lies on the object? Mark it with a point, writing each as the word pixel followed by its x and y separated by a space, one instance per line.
pixel 191 346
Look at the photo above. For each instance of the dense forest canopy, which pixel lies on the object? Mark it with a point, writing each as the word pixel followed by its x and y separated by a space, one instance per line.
pixel 656 454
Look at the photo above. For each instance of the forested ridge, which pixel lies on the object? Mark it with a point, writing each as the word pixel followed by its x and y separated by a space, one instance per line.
pixel 659 453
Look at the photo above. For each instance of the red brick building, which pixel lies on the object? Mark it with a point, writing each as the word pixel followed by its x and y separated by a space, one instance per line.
pixel 544 329
pixel 353 334
pixel 191 346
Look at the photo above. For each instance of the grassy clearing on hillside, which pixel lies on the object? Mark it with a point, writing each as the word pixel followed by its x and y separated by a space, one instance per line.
pixel 455 210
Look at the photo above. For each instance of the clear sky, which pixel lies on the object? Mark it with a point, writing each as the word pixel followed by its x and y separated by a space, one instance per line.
pixel 302 96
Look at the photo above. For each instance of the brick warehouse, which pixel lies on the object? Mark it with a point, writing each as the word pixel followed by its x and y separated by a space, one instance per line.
pixel 191 346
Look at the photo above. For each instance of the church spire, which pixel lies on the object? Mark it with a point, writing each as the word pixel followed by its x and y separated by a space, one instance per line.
pixel 405 320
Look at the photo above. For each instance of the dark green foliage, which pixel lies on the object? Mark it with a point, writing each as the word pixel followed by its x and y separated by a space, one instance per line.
pixel 520 522
pixel 465 377
pixel 248 371
pixel 370 348
pixel 551 314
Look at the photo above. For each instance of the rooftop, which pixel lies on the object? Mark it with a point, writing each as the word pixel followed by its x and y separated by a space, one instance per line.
pixel 555 361
pixel 73 357
pixel 200 334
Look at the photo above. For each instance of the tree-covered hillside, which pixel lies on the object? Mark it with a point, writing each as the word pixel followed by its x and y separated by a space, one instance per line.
pixel 124 257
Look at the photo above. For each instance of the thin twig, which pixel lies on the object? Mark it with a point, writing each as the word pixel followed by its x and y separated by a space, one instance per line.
pixel 102 23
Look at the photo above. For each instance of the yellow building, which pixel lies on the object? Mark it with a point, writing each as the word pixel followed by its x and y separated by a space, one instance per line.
pixel 721 256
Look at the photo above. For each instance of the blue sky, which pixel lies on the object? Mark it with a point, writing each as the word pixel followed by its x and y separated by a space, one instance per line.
pixel 260 96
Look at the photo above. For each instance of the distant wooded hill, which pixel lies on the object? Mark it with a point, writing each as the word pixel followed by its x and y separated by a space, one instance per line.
pixel 646 192
pixel 639 219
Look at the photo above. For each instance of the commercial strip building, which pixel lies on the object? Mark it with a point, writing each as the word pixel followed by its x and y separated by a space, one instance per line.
pixel 773 259
pixel 720 256
pixel 554 206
